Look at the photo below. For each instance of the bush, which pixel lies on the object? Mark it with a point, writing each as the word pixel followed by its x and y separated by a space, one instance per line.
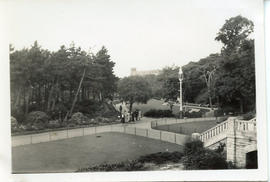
pixel 37 116
pixel 87 107
pixel 197 157
pixel 161 157
pixel 18 114
pixel 54 124
pixel 37 120
pixel 132 165
pixel 78 118
pixel 158 113
pixel 194 114
pixel 59 111
pixel 14 124
pixel 249 115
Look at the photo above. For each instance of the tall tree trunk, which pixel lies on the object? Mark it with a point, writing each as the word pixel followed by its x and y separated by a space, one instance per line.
pixel 50 98
pixel 76 95
pixel 18 98
pixel 210 99
pixel 28 96
pixel 100 96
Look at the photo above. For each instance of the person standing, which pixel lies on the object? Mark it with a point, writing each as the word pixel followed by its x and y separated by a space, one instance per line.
pixel 132 116
pixel 120 109
pixel 136 114
pixel 122 118
pixel 139 114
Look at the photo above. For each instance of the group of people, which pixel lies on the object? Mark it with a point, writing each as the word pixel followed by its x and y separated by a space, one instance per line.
pixel 127 116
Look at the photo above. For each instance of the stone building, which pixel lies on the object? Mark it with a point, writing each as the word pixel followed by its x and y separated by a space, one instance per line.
pixel 135 72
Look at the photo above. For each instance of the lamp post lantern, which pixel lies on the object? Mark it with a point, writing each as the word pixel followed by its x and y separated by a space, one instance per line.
pixel 180 91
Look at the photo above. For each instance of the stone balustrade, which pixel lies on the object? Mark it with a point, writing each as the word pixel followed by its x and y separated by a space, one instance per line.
pixel 216 130
pixel 242 125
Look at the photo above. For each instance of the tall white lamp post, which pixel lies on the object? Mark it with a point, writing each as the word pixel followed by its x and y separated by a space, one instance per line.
pixel 181 94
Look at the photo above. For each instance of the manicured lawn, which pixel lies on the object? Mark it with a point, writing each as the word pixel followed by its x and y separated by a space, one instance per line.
pixel 154 104
pixel 157 104
pixel 188 128
pixel 69 155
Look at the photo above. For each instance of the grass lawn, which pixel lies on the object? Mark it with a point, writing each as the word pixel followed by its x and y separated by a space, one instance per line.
pixel 69 155
pixel 157 104
pixel 154 104
pixel 188 128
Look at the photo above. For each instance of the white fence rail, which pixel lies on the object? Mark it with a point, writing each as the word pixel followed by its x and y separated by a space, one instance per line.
pixel 70 133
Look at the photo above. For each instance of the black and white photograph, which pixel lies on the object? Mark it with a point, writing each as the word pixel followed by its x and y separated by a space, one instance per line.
pixel 140 86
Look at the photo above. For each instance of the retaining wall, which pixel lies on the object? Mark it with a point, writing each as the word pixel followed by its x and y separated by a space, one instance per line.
pixel 70 133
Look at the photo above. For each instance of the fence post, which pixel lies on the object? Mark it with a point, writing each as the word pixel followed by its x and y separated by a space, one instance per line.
pixel 135 131
pixel 160 135
pixel 174 137
pixel 31 139
pixel 83 131
pixel 50 136
pixel 147 133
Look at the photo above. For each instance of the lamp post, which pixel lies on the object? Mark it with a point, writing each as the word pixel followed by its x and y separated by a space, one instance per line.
pixel 181 94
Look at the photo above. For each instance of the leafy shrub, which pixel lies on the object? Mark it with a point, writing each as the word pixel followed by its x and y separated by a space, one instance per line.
pixel 54 124
pixel 78 118
pixel 18 114
pixel 194 114
pixel 161 157
pixel 59 111
pixel 219 112
pixel 37 116
pixel 132 165
pixel 37 120
pixel 197 157
pixel 158 113
pixel 14 124
pixel 249 115
pixel 193 147
pixel 87 107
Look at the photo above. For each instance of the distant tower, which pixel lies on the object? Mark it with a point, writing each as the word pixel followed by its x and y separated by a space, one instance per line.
pixel 133 72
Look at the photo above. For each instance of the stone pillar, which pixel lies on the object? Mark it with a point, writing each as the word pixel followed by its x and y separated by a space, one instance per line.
pixel 231 141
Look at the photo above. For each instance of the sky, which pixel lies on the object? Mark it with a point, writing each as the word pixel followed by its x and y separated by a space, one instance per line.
pixel 145 34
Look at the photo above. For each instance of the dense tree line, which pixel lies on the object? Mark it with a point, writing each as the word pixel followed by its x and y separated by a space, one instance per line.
pixel 55 81
pixel 226 79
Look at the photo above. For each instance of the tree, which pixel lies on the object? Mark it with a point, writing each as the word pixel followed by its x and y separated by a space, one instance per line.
pixel 236 72
pixel 208 77
pixel 199 82
pixel 105 72
pixel 234 32
pixel 170 85
pixel 53 82
pixel 134 89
